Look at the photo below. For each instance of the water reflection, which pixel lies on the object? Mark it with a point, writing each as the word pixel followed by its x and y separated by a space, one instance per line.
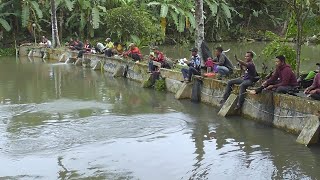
pixel 63 122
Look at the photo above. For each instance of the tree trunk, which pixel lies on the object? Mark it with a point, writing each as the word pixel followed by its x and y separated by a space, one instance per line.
pixel 299 44
pixel 249 20
pixel 54 24
pixel 60 23
pixel 199 25
pixel 284 28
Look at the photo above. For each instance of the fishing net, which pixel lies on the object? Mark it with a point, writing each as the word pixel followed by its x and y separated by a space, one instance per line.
pixel 196 91
pixel 205 51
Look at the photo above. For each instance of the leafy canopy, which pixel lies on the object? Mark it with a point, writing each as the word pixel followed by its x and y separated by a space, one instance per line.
pixel 277 47
pixel 124 22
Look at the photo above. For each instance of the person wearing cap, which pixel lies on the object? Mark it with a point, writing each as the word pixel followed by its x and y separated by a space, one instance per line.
pixel 282 80
pixel 194 66
pixel 314 90
pixel 109 47
pixel 157 56
pixel 249 78
pixel 224 65
pixel 133 52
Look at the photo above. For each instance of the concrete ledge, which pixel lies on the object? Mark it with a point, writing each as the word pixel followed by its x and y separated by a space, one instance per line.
pixel 184 92
pixel 310 132
pixel 283 111
pixel 168 73
pixel 228 107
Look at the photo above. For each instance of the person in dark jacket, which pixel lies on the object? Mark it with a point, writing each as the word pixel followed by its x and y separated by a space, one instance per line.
pixel 86 49
pixel 225 66
pixel 79 45
pixel 194 66
pixel 314 90
pixel 282 80
pixel 247 80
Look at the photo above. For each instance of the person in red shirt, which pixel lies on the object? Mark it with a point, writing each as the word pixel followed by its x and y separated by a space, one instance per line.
pixel 133 52
pixel 157 56
pixel 86 49
pixel 87 46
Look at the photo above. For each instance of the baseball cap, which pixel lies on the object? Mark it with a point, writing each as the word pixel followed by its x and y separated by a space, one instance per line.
pixel 155 48
pixel 194 49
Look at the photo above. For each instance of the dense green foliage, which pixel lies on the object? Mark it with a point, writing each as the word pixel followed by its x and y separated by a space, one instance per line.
pixel 128 23
pixel 7 52
pixel 164 21
pixel 224 20
pixel 278 47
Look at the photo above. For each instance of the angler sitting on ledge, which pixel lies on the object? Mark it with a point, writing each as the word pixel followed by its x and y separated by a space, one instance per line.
pixel 157 56
pixel 86 49
pixel 224 65
pixel 133 52
pixel 249 78
pixel 283 80
pixel 109 48
pixel 194 66
pixel 314 90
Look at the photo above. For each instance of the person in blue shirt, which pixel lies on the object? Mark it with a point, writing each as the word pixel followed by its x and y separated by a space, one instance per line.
pixel 194 66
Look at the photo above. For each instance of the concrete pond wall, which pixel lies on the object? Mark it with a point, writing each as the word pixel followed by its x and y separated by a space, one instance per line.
pixel 287 112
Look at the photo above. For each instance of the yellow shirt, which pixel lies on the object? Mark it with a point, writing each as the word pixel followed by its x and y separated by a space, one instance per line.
pixel 109 45
pixel 119 48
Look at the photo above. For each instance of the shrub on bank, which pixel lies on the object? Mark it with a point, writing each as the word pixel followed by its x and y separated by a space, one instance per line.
pixel 132 24
pixel 160 85
pixel 7 52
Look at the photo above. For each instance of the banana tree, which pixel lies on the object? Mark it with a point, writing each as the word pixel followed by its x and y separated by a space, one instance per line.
pixel 221 14
pixel 4 14
pixel 63 6
pixel 221 11
pixel 180 12
pixel 86 14
pixel 30 13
